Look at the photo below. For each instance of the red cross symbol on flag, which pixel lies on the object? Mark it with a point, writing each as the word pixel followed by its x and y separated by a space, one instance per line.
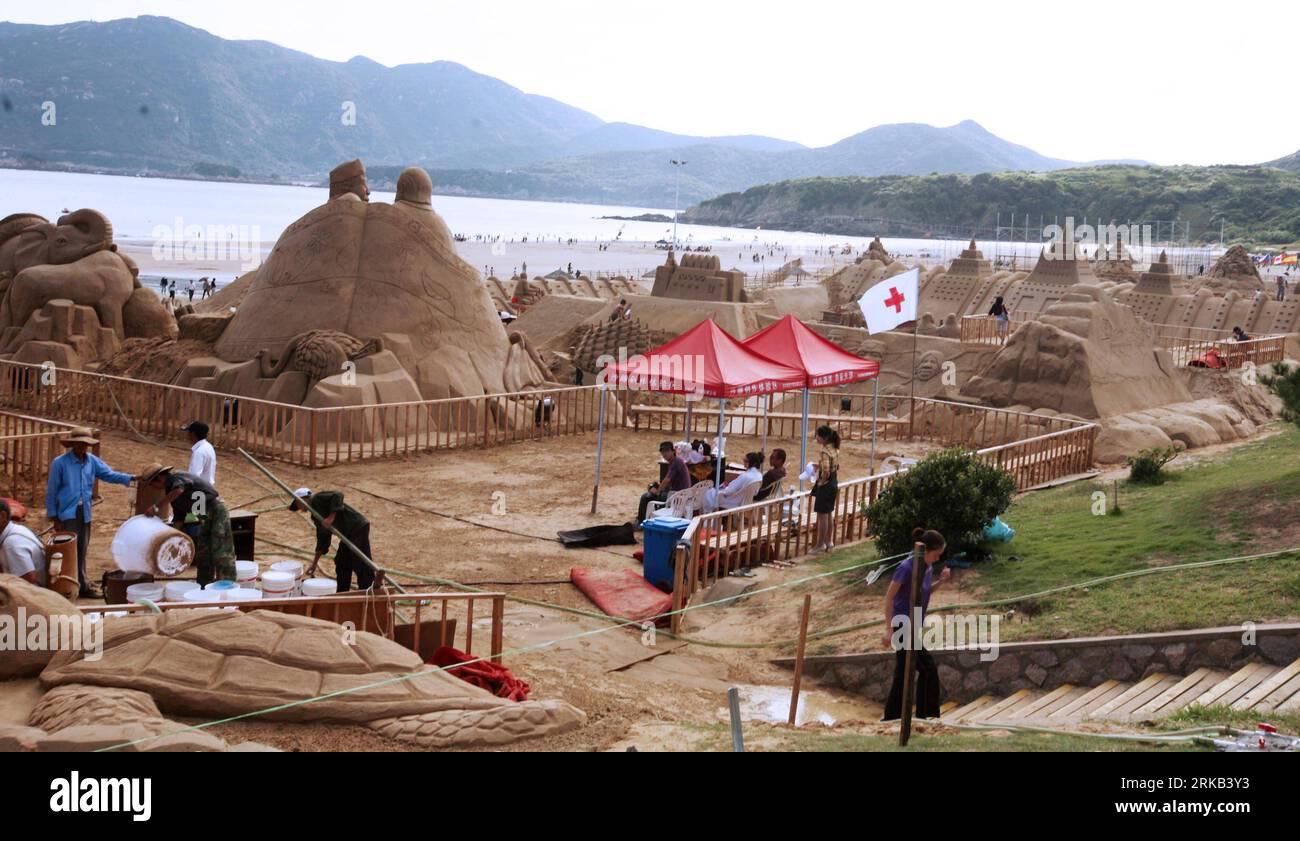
pixel 891 302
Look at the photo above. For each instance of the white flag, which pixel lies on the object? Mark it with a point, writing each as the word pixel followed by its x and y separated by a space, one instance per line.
pixel 891 302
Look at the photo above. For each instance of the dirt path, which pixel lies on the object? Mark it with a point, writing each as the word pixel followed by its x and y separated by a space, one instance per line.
pixel 491 516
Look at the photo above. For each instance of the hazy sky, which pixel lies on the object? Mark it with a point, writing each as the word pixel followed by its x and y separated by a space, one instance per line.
pixel 1186 82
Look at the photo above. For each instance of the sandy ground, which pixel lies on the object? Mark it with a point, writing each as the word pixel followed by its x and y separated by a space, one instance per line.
pixel 434 515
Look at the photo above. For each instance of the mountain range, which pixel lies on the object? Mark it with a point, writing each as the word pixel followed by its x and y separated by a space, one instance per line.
pixel 153 95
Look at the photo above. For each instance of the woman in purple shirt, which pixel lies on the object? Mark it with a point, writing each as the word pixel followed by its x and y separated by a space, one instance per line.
pixel 896 599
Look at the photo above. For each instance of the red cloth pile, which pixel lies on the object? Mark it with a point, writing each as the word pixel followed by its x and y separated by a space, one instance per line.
pixel 484 674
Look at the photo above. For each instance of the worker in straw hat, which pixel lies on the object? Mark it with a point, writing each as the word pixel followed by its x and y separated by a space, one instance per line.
pixel 69 492
pixel 197 510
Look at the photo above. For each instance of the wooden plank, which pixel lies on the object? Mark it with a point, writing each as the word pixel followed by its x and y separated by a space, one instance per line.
pixel 977 704
pixel 1064 701
pixel 1127 695
pixel 1266 687
pixel 1215 693
pixel 1040 703
pixel 1007 703
pixel 1138 701
pixel 1281 696
pixel 1182 687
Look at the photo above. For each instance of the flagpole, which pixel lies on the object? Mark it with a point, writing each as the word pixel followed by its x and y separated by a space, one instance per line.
pixel 875 404
pixel 911 415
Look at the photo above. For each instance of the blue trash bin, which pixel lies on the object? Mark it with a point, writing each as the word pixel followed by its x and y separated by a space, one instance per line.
pixel 661 536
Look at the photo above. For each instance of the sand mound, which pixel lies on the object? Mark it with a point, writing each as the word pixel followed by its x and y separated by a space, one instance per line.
pixel 1085 356
pixel 1234 272
pixel 230 295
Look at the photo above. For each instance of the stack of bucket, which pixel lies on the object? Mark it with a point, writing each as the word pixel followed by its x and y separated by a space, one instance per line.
pixel 293 568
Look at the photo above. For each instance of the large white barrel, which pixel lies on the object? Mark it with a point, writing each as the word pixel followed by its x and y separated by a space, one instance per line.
pixel 147 544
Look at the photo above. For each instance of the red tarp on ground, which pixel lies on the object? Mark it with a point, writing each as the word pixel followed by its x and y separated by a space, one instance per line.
pixel 484 674
pixel 791 342
pixel 623 594
pixel 707 361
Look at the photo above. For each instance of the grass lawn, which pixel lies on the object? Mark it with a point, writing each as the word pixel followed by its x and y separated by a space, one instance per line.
pixel 1242 501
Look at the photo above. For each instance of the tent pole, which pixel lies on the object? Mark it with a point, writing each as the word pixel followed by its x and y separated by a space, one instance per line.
pixel 803 437
pixel 600 447
pixel 720 457
pixel 767 407
pixel 875 406
pixel 690 405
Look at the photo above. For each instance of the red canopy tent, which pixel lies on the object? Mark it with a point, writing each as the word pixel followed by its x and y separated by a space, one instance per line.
pixel 705 361
pixel 793 343
pixel 708 362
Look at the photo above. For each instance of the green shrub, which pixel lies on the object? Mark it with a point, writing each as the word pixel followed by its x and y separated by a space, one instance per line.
pixel 951 492
pixel 1147 467
pixel 1286 385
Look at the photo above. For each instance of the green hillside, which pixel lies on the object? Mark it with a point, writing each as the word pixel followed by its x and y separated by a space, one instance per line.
pixel 1255 204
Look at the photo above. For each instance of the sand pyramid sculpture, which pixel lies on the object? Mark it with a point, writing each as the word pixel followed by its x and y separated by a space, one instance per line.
pixel 380 272
pixel 1234 272
pixel 1159 279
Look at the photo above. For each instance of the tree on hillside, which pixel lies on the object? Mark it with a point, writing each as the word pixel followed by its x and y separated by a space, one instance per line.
pixel 951 492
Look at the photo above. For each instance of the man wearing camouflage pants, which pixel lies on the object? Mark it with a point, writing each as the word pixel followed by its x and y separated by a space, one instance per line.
pixel 198 511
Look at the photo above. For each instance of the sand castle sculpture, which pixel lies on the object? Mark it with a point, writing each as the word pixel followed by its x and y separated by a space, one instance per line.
pixel 67 295
pixel 359 302
pixel 1088 356
pixel 1231 294
pixel 214 663
pixel 698 277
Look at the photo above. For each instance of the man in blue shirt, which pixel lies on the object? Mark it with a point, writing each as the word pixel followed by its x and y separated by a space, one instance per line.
pixel 68 496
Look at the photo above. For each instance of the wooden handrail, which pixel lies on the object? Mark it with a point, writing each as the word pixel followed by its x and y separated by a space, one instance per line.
pixel 309 604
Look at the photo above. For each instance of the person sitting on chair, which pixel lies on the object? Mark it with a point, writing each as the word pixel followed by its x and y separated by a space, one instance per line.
pixel 676 479
pixel 732 493
pixel 772 477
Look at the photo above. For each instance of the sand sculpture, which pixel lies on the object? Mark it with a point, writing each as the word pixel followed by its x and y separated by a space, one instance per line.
pixel 210 663
pixel 1088 356
pixel 698 277
pixel 67 295
pixel 1231 294
pixel 359 302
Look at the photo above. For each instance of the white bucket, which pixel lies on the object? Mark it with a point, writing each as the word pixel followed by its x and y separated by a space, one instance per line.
pixel 147 544
pixel 295 569
pixel 319 587
pixel 243 595
pixel 174 591
pixel 197 595
pixel 277 585
pixel 151 591
pixel 246 573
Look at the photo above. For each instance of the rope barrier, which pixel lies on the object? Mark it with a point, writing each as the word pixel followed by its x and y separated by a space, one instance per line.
pixel 620 623
pixel 617 624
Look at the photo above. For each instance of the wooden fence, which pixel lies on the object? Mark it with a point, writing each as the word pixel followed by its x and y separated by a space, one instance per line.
pixel 987 330
pixel 781 530
pixel 439 618
pixel 27 446
pixel 1261 351
pixel 300 434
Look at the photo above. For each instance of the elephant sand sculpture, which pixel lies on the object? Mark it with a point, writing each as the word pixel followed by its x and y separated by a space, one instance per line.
pixel 74 260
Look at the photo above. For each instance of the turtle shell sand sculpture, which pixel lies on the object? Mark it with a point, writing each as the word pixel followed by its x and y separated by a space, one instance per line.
pixel 208 663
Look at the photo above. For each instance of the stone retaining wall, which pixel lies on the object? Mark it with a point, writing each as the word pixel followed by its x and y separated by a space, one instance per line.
pixel 1046 665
